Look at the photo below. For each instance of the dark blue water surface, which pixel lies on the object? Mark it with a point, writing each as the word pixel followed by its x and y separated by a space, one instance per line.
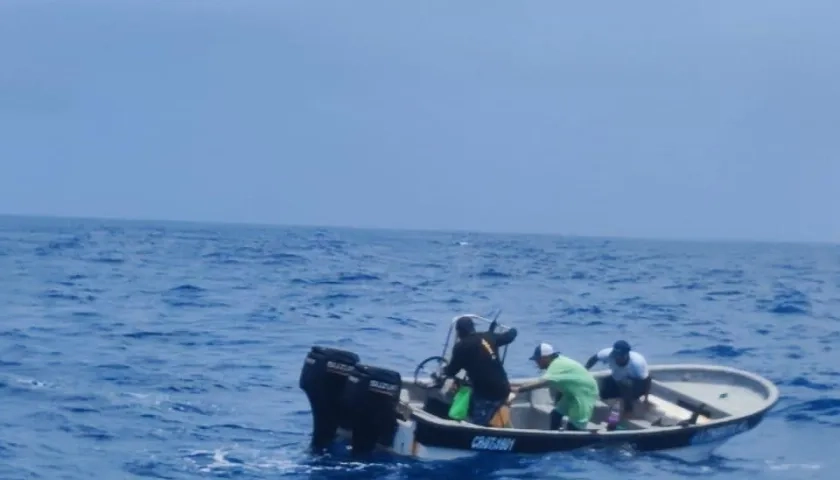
pixel 153 350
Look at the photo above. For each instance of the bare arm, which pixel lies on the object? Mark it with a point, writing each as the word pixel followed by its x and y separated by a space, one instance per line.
pixel 527 387
pixel 592 361
pixel 648 384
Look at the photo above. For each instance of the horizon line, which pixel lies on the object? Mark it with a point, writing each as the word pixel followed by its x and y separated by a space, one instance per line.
pixel 379 228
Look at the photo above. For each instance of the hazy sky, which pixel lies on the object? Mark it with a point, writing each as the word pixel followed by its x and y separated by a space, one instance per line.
pixel 662 118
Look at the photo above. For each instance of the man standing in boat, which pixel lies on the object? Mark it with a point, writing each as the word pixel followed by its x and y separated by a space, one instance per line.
pixel 630 378
pixel 478 354
pixel 573 387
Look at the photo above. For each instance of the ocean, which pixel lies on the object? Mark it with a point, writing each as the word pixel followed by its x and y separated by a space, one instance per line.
pixel 172 350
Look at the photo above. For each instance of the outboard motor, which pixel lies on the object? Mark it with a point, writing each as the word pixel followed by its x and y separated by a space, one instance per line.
pixel 370 404
pixel 323 378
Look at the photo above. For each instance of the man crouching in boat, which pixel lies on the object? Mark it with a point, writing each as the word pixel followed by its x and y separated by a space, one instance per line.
pixel 629 378
pixel 573 387
pixel 478 354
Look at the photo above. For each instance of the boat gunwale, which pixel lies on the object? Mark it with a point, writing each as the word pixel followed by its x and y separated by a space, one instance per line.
pixel 770 388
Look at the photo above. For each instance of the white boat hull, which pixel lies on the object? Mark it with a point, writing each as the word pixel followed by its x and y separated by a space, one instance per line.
pixel 691 411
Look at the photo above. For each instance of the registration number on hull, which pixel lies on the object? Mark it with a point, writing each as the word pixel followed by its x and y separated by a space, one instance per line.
pixel 482 442
pixel 712 435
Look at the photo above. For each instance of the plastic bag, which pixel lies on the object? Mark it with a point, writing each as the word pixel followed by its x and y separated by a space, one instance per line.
pixel 460 407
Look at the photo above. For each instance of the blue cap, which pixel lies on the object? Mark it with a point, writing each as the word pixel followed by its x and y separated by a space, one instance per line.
pixel 620 347
pixel 542 350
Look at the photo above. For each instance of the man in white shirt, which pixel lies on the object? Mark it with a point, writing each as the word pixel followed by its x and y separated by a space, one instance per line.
pixel 630 378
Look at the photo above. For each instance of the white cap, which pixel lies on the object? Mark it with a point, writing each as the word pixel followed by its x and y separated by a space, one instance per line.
pixel 542 350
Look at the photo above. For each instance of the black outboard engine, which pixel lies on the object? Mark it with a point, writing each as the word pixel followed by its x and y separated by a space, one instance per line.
pixel 370 404
pixel 323 378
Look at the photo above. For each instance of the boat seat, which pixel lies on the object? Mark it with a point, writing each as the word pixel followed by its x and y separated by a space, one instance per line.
pixel 673 410
pixel 688 399
pixel 638 423
pixel 547 409
pixel 645 416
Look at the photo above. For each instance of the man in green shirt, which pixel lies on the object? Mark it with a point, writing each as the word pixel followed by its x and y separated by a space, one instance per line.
pixel 571 384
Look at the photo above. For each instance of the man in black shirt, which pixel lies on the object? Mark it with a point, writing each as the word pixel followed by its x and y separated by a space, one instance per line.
pixel 478 354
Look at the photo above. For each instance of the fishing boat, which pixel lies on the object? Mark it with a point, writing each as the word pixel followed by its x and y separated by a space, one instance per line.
pixel 691 410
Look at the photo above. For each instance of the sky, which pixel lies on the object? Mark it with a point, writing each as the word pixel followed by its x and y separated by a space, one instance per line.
pixel 703 119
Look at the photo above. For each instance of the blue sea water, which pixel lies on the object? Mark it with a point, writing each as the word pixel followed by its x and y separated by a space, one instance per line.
pixel 166 350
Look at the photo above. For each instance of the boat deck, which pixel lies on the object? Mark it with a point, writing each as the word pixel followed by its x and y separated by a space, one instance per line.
pixel 676 394
pixel 735 400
